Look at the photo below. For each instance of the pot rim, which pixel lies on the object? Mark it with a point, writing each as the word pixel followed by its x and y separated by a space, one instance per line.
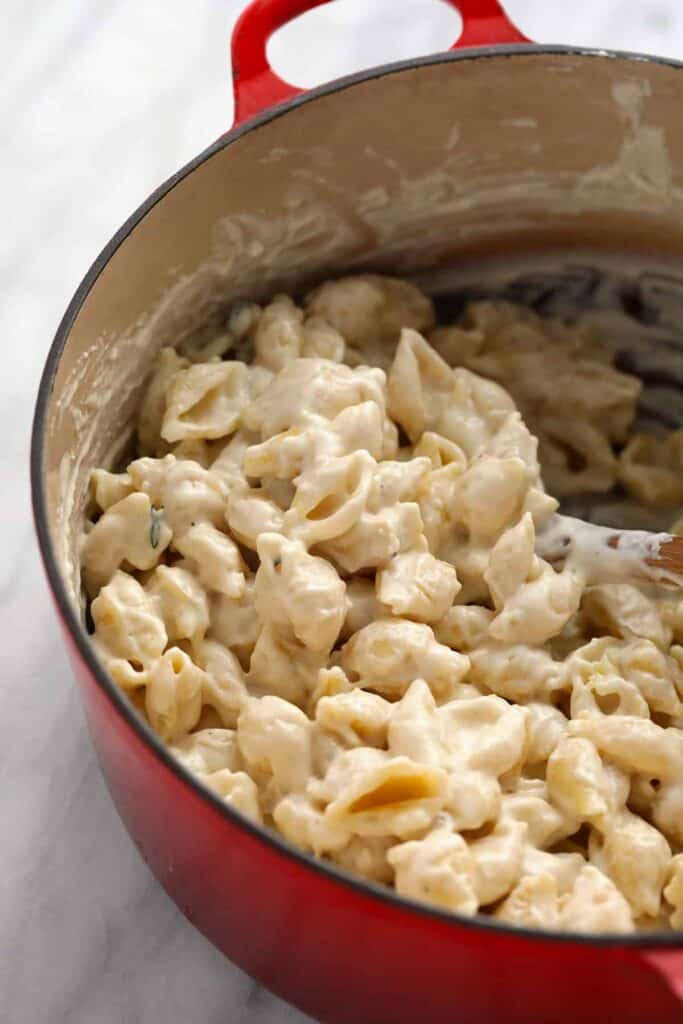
pixel 76 628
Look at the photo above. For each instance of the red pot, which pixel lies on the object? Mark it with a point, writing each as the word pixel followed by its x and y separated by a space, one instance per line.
pixel 483 149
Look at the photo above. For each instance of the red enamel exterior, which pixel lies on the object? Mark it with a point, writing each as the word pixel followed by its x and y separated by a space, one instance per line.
pixel 257 87
pixel 344 952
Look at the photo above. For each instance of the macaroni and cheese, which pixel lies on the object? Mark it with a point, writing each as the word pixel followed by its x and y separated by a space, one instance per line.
pixel 318 582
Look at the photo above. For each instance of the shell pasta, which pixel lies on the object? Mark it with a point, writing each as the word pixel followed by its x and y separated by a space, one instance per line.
pixel 318 583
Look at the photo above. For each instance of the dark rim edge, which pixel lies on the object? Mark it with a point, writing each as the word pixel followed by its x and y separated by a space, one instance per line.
pixel 644 941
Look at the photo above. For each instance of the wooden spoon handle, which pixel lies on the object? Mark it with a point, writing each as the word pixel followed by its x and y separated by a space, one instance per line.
pixel 604 555
pixel 670 559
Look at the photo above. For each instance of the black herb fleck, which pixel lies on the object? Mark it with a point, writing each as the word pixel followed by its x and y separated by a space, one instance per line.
pixel 155 526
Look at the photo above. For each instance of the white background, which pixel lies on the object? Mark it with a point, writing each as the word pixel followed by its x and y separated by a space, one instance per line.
pixel 99 103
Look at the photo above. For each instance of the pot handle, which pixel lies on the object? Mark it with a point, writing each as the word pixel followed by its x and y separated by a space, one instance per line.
pixel 669 965
pixel 257 87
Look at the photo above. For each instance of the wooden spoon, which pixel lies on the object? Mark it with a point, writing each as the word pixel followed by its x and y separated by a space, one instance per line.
pixel 605 555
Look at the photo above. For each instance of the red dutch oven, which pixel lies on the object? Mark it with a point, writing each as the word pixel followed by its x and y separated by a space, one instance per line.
pixel 496 146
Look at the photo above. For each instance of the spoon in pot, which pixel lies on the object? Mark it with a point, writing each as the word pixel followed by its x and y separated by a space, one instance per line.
pixel 605 555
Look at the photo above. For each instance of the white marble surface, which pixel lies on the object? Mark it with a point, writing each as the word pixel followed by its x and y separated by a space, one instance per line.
pixel 99 103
